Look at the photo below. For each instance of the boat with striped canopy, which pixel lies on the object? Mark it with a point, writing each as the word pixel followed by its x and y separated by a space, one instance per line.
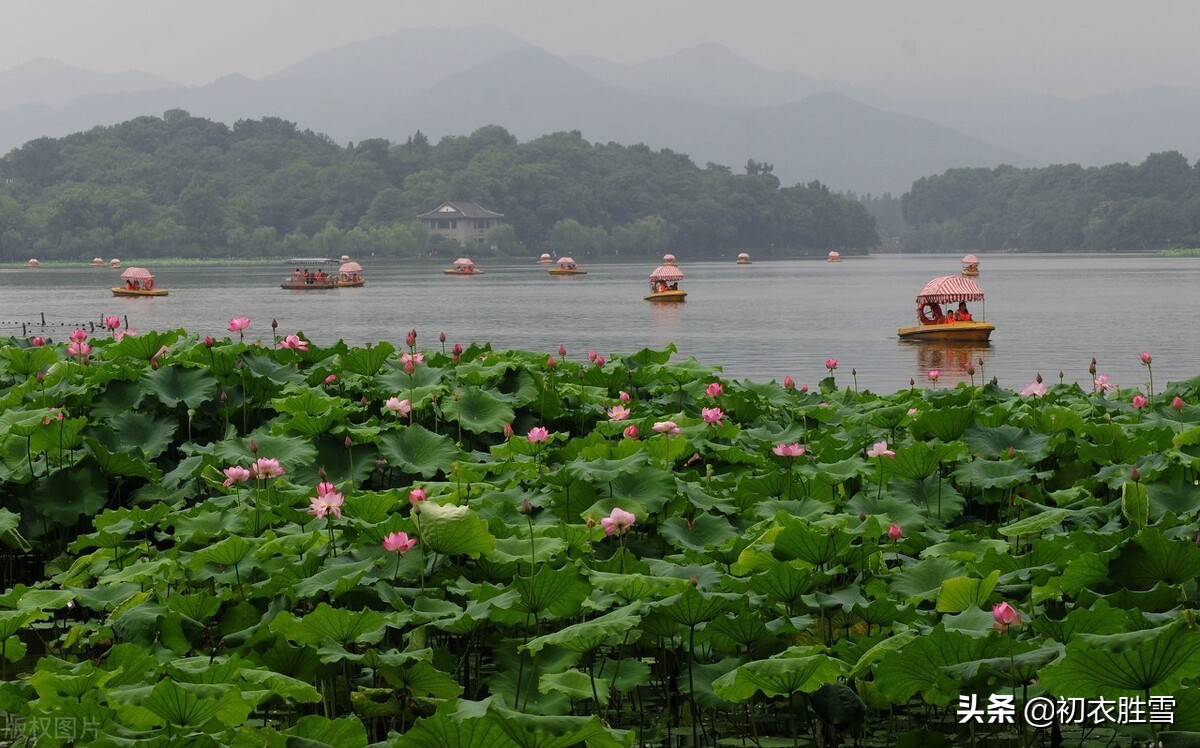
pixel 303 279
pixel 565 266
pixel 137 282
pixel 743 258
pixel 970 265
pixel 463 266
pixel 350 274
pixel 938 325
pixel 664 282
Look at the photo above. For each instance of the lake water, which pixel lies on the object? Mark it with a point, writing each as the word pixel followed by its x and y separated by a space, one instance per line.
pixel 1052 312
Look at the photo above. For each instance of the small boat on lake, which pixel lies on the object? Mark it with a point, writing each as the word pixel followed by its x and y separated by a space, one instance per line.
pixel 305 279
pixel 565 266
pixel 545 259
pixel 956 325
pixel 463 266
pixel 834 257
pixel 743 258
pixel 114 263
pixel 664 282
pixel 970 265
pixel 97 262
pixel 137 282
pixel 350 274
pixel 33 263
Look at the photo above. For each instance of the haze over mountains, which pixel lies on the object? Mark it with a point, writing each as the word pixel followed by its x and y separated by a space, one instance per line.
pixel 704 101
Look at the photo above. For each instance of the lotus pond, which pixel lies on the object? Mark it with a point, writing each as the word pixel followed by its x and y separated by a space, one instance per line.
pixel 257 544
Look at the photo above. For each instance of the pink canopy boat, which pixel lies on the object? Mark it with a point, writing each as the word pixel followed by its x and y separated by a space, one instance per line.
pixel 137 282
pixel 970 265
pixel 664 283
pixel 949 325
pixel 463 266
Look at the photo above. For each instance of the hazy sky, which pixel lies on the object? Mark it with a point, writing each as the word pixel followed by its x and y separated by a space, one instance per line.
pixel 1067 47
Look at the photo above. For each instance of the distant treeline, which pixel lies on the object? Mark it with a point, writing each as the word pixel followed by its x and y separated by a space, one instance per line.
pixel 185 186
pixel 1118 207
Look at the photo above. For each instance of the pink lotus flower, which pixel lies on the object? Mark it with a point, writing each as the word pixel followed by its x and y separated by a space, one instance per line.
pixel 1139 402
pixel 666 427
pixel 617 522
pixel 508 430
pixel 398 406
pixel 895 532
pixel 550 362
pixel 831 364
pixel 415 358
pixel 265 468
pixel 562 350
pixel 112 322
pixel 624 396
pixel 600 361
pixel 330 379
pixel 788 382
pixel 1147 359
pixel 912 412
pixel 411 337
pixel 592 355
pixel 934 375
pixel 880 449
pixel 712 415
pixel 1102 384
pixel 409 367
pixel 416 496
pixel 38 342
pixel 79 349
pixel 119 335
pixel 631 432
pixel 714 390
pixel 235 474
pixel 789 450
pixel 538 434
pixel 295 343
pixel 239 324
pixel 1005 615
pixel 1177 403
pixel 1034 389
pixel 618 412
pixel 804 388
pixel 457 349
pixel 399 542
pixel 78 336
pixel 326 503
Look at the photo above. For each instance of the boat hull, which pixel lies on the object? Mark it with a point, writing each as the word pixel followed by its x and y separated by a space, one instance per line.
pixel 744 262
pixel 307 286
pixel 973 332
pixel 668 296
pixel 556 271
pixel 970 273
pixel 461 272
pixel 350 284
pixel 137 292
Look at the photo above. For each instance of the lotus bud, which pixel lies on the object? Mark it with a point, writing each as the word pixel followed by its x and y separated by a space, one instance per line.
pixel 363 401
pixel 380 464
pixel 191 413
pixel 1012 452
pixel 581 373
pixel 274 324
pixel 411 338
pixel 912 382
pixel 1038 378
pixel 804 388
pixel 1177 403
pixel 508 431
pixel 692 580
pixel 550 362
pixel 789 383
pixel 970 369
pixel 1092 367
pixel 253 447
pixel 442 338
pixel 409 367
pixel 591 522
pixel 691 524
pixel 223 397
pixel 208 341
pixel 526 507
pixel 321 473
pixel 1198 538
pixel 853 372
pixel 41 377
pixel 861 515
pixel 349 442
pixel 331 379
pixel 562 350
pixel 1135 475
pixel 995 381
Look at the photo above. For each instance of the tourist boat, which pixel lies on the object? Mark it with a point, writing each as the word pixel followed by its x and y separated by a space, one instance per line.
pixel 948 289
pixel 138 282
pixel 970 265
pixel 463 266
pixel 743 258
pixel 350 274
pixel 545 259
pixel 305 279
pixel 565 266
pixel 114 263
pixel 664 282
pixel 33 263
pixel 97 262
pixel 834 257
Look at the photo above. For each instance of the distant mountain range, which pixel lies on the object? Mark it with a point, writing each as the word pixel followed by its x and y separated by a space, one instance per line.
pixel 704 101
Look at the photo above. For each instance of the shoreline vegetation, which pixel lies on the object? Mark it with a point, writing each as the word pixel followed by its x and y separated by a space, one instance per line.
pixel 409 544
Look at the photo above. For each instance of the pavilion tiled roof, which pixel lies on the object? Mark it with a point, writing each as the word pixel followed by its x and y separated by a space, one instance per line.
pixel 462 209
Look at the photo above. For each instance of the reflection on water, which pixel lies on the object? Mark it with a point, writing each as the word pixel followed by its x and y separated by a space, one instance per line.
pixel 950 359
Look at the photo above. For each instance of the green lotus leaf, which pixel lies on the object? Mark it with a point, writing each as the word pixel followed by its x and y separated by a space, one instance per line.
pixel 120 462
pixel 553 593
pixel 420 678
pixel 945 423
pixel 134 430
pixel 338 625
pixel 586 636
pixel 518 550
pixel 1100 618
pixel 266 370
pixel 1034 524
pixel 703 532
pixel 334 580
pixel 1135 504
pixel 1176 498
pixel 366 361
pixel 604 470
pixel 632 587
pixel 58 437
pixel 316 731
pixel 173 385
pixel 342 465
pixel 693 607
pixel 918 668
pixel 993 474
pixel 478 410
pixel 291 451
pixel 193 705
pixel 994 442
pixel 29 361
pixel 916 461
pixel 779 676
pixel 1151 558
pixel 453 530
pixel 1130 664
pixel 924 579
pixel 417 450
pixel 814 545
pixel 576 685
pixel 963 593
pixel 836 473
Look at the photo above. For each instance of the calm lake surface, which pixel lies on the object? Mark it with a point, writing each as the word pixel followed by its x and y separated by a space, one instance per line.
pixel 761 321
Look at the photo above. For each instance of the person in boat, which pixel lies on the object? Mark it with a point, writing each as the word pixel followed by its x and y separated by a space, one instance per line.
pixel 675 286
pixel 962 315
pixel 128 285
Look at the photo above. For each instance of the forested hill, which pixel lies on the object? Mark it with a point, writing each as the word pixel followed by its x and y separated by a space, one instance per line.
pixel 1118 207
pixel 186 186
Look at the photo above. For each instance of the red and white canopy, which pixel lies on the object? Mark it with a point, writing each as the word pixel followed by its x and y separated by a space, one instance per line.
pixel 970 260
pixel 949 289
pixel 669 259
pixel 565 262
pixel 350 267
pixel 545 256
pixel 834 255
pixel 464 262
pixel 743 255
pixel 666 273
pixel 140 274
